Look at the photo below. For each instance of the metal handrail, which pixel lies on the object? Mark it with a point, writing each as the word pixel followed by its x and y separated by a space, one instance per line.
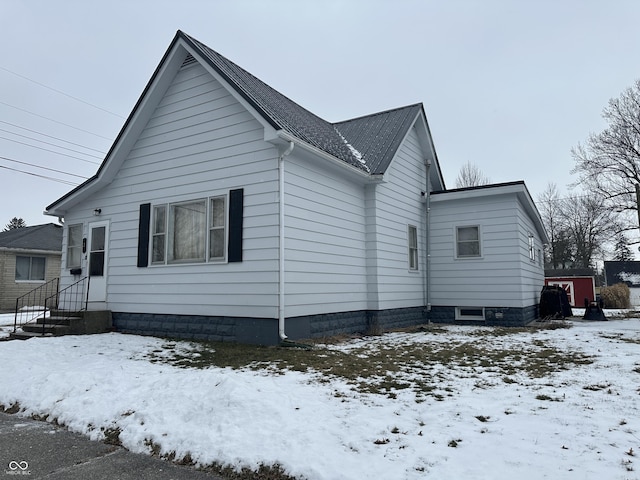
pixel 31 305
pixel 68 301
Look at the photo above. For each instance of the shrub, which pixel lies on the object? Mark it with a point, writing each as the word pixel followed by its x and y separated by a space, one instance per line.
pixel 616 296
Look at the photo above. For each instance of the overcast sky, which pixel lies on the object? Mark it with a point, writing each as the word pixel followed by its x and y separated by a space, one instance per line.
pixel 508 85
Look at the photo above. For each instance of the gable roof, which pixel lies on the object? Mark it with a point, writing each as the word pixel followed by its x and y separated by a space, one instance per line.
pixel 367 144
pixel 377 137
pixel 38 237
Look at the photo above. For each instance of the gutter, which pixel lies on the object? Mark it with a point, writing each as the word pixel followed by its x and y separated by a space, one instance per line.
pixel 281 284
pixel 427 273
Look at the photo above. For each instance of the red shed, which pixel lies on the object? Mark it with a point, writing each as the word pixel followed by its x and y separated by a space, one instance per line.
pixel 577 288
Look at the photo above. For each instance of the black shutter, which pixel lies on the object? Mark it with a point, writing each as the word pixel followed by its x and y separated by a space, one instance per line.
pixel 143 235
pixel 236 206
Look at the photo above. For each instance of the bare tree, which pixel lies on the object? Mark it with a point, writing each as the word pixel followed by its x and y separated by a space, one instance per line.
pixel 590 225
pixel 609 162
pixel 471 176
pixel 550 207
pixel 14 223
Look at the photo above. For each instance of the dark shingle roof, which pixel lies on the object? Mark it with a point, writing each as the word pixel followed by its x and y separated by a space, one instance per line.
pixel 367 143
pixel 622 272
pixel 38 237
pixel 377 137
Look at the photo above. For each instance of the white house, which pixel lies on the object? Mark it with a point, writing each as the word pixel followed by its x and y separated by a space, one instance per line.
pixel 226 211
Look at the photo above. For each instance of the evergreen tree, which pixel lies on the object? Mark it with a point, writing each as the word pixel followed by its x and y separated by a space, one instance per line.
pixel 15 223
pixel 621 250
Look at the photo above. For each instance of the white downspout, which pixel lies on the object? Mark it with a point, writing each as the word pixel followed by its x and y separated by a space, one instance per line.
pixel 427 242
pixel 281 312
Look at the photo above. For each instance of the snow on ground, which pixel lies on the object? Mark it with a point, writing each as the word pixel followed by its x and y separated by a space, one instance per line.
pixel 580 423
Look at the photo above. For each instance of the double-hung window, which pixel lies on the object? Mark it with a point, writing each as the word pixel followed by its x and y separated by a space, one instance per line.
pixel 30 269
pixel 468 241
pixel 189 232
pixel 74 246
pixel 413 247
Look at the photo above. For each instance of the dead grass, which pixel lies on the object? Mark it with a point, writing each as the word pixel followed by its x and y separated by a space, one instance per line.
pixel 387 369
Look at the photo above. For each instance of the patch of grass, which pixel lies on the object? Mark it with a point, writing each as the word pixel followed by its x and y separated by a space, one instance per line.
pixel 112 436
pixel 548 398
pixel 380 368
pixel 11 409
pixel 264 472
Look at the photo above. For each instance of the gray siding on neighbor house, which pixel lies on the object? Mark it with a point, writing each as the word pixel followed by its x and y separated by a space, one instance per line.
pixel 492 280
pixel 398 204
pixel 200 142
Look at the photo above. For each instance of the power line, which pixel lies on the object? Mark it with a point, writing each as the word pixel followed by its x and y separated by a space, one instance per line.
pixel 51 151
pixel 44 168
pixel 59 180
pixel 55 121
pixel 50 136
pixel 46 143
pixel 61 92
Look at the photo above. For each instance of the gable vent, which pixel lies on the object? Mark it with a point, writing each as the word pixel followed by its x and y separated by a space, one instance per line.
pixel 188 61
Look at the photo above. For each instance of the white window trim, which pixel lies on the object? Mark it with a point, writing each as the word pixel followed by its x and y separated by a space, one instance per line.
pixel 455 243
pixel 532 247
pixel 31 257
pixel 81 226
pixel 207 260
pixel 460 316
pixel 411 250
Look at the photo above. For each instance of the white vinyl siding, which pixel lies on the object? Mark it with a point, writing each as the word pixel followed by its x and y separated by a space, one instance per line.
pixel 325 259
pixel 392 205
pixel 504 276
pixel 200 143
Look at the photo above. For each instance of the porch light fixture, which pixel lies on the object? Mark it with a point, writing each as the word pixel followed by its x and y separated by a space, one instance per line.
pixel 97 211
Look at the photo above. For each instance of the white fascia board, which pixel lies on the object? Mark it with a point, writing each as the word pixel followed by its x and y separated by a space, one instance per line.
pixel 426 143
pixel 356 172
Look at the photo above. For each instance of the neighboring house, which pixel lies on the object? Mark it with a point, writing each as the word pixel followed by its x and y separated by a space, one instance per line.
pixel 29 257
pixel 624 272
pixel 580 284
pixel 226 211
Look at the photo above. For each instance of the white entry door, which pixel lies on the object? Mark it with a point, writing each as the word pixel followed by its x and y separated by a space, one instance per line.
pixel 97 261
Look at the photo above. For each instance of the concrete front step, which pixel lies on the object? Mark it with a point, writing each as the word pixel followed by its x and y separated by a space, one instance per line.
pixel 86 323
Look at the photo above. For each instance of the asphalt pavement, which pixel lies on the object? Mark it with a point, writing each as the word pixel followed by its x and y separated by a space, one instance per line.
pixel 33 449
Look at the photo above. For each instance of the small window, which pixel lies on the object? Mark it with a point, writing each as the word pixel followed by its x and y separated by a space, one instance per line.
pixel 532 248
pixel 216 229
pixel 467 242
pixel 30 269
pixel 469 313
pixel 74 246
pixel 158 234
pixel 413 248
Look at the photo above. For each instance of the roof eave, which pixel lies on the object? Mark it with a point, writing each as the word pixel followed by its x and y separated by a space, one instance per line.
pixel 283 134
